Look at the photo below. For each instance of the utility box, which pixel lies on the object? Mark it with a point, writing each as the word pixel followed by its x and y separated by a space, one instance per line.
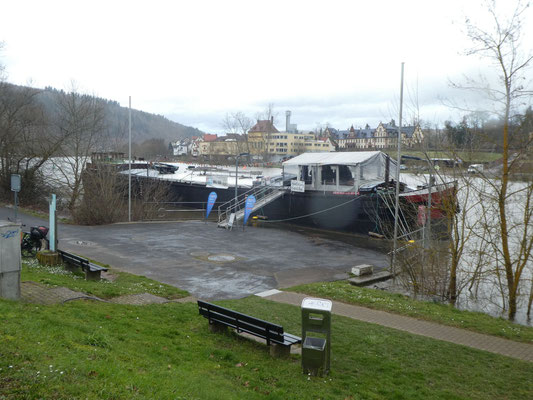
pixel 10 261
pixel 316 336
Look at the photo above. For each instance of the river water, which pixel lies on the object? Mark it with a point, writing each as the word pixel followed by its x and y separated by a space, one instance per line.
pixel 482 281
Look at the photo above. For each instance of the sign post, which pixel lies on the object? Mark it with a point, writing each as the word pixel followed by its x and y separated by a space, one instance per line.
pixel 297 186
pixel 15 188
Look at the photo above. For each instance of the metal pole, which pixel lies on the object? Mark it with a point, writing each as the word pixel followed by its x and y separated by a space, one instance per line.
pixel 16 205
pixel 236 173
pixel 397 197
pixel 129 162
pixel 431 181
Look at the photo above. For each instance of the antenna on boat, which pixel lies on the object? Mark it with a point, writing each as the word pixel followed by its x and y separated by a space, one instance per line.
pixel 397 197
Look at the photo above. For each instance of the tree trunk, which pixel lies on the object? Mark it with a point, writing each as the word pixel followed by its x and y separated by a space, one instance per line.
pixel 453 282
pixel 502 200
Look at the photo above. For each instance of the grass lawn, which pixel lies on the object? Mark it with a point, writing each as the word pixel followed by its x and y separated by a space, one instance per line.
pixel 94 350
pixel 123 284
pixel 399 304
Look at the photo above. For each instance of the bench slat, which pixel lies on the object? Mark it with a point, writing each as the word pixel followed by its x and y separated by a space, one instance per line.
pixel 264 332
pixel 81 262
pixel 245 323
pixel 243 317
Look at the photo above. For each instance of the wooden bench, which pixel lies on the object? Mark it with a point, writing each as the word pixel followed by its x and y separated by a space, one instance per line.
pixel 92 271
pixel 219 318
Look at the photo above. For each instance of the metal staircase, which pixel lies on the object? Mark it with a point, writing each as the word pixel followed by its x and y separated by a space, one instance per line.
pixel 263 194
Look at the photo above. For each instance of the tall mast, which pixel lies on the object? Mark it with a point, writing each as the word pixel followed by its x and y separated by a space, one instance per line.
pixel 397 197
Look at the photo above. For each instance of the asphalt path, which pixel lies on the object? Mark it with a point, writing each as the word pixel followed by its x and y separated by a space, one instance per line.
pixel 214 263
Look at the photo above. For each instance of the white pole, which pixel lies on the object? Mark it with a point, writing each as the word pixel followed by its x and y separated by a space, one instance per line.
pixel 397 197
pixel 52 223
pixel 129 163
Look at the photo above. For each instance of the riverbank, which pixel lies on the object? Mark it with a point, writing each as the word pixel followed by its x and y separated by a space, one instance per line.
pixel 87 349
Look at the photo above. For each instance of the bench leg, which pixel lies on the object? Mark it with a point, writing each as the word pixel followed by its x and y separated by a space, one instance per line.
pixel 215 327
pixel 279 350
pixel 92 275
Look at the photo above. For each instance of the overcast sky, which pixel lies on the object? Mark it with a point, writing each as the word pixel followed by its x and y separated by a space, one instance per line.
pixel 335 62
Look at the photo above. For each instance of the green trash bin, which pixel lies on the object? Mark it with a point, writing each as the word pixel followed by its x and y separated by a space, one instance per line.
pixel 316 336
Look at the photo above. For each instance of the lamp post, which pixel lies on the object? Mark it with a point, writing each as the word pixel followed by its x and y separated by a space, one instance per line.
pixel 237 174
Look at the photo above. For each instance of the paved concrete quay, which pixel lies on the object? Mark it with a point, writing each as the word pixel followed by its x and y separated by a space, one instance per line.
pixel 210 262
pixel 522 351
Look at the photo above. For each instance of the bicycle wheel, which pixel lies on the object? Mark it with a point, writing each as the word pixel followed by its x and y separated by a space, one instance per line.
pixel 27 250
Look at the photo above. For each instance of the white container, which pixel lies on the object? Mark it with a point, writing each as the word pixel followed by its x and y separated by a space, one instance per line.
pixel 364 269
pixel 10 260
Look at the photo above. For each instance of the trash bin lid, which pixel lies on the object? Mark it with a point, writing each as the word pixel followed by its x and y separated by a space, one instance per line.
pixel 317 304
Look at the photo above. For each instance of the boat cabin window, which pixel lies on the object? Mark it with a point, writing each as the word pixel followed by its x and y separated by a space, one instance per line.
pixel 372 171
pixel 305 175
pixel 346 177
pixel 328 175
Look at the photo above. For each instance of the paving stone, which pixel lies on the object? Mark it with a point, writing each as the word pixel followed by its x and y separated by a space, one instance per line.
pixel 188 299
pixel 33 292
pixel 139 299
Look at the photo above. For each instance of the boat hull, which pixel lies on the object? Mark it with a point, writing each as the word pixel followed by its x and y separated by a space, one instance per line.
pixel 337 211
pixel 346 212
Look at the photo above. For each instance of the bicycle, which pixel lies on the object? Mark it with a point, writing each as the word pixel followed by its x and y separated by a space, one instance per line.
pixel 31 242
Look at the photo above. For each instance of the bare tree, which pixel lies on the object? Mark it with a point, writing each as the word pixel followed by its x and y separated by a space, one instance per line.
pixel 80 119
pixel 103 200
pixel 240 124
pixel 26 142
pixel 501 44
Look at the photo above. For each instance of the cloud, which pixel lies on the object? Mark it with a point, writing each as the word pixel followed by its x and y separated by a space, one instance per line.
pixel 336 62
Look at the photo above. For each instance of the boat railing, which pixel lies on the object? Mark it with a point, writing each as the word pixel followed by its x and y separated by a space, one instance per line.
pixel 235 205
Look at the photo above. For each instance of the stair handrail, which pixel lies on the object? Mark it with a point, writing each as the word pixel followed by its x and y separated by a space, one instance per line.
pixel 230 206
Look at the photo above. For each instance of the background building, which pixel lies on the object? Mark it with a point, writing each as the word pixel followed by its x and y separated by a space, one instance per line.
pixel 382 137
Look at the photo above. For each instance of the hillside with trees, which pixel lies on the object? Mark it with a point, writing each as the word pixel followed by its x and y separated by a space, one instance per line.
pixel 144 126
pixel 39 127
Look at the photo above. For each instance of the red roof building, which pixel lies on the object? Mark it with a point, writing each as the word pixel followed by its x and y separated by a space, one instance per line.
pixel 264 126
